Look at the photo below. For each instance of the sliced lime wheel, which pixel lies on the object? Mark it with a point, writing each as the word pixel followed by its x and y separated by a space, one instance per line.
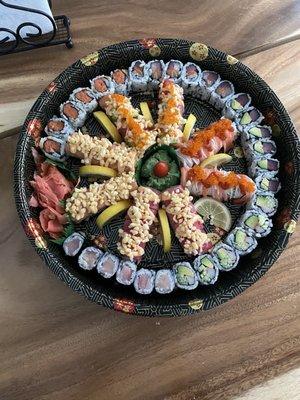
pixel 215 212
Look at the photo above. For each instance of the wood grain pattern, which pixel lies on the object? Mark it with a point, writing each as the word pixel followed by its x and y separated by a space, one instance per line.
pixel 228 25
pixel 57 345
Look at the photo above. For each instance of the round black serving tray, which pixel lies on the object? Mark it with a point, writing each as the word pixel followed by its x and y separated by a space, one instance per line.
pixel 251 267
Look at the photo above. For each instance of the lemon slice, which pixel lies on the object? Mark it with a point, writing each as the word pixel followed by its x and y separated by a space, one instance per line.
pixel 146 111
pixel 165 230
pixel 190 123
pixel 214 211
pixel 96 170
pixel 216 160
pixel 112 212
pixel 110 128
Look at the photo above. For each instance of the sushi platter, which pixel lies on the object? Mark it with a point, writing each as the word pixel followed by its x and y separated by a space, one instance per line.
pixel 158 177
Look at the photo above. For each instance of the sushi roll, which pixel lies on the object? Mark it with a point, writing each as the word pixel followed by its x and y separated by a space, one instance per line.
pixel 173 70
pixel 102 85
pixel 144 281
pixel 267 183
pixel 85 98
pixel 210 80
pixel 107 265
pixel 126 272
pixel 156 70
pixel 221 93
pixel 58 127
pixel 226 256
pixel 241 241
pixel 264 165
pixel 191 76
pixel 164 281
pixel 53 148
pixel 89 257
pixel 256 132
pixel 185 276
pixel 73 244
pixel 139 76
pixel 207 269
pixel 236 105
pixel 120 80
pixel 263 202
pixel 257 224
pixel 74 113
pixel 251 117
pixel 262 148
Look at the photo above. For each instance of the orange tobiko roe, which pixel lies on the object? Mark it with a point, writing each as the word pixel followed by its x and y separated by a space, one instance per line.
pixel 229 180
pixel 201 138
pixel 137 132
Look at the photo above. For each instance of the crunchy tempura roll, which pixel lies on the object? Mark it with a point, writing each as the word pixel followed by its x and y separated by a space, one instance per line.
pixel 207 142
pixel 87 201
pixel 185 221
pixel 221 185
pixel 140 216
pixel 100 151
pixel 132 126
pixel 170 112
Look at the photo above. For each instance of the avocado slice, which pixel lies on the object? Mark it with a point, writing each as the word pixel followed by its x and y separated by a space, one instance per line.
pixel 235 105
pixel 185 275
pixel 252 221
pixel 258 147
pixel 206 262
pixel 263 163
pixel 246 119
pixel 240 240
pixel 255 131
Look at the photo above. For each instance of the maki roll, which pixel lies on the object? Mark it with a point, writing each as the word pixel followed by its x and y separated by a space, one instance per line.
pixel 261 166
pixel 251 117
pixel 74 113
pixel 58 127
pixel 89 257
pixel 85 98
pixel 210 80
pixel 126 272
pixel 164 281
pixel 102 85
pixel 256 132
pixel 226 256
pixel 191 76
pixel 173 70
pixel 221 93
pixel 263 202
pixel 267 183
pixel 220 185
pixel 120 80
pixel 53 148
pixel 185 276
pixel 156 70
pixel 207 142
pixel 207 269
pixel 144 281
pixel 107 265
pixel 241 241
pixel 236 105
pixel 259 225
pixel 263 148
pixel 139 76
pixel 73 244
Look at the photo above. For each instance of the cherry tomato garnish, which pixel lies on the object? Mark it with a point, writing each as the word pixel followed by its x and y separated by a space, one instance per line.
pixel 161 169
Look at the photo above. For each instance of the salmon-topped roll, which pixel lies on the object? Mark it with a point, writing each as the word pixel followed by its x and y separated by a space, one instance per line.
pixel 221 185
pixel 132 126
pixel 74 113
pixel 207 142
pixel 184 219
pixel 170 112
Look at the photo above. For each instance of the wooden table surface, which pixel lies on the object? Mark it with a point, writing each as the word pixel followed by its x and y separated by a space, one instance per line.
pixel 57 345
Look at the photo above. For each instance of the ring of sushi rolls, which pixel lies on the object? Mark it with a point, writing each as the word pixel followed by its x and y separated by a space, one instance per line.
pixel 257 144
